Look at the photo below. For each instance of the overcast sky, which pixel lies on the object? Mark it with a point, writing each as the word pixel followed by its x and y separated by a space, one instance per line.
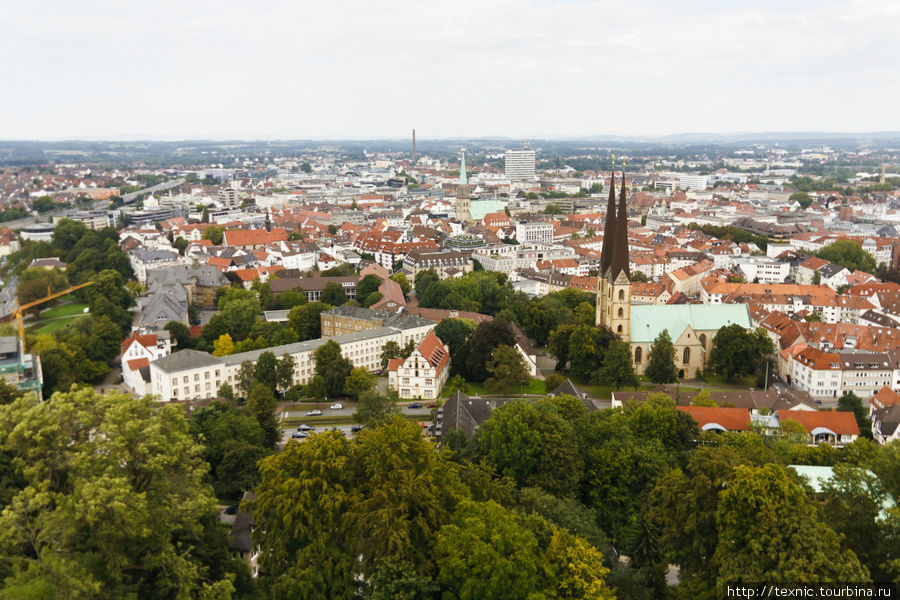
pixel 364 69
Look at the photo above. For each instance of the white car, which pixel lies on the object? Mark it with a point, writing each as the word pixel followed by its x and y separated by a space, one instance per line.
pixel 336 406
pixel 314 413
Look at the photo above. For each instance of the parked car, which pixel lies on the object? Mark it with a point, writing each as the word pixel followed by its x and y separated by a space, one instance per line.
pixel 305 427
pixel 356 428
pixel 297 435
pixel 432 405
pixel 415 405
pixel 314 413
pixel 231 510
pixel 336 406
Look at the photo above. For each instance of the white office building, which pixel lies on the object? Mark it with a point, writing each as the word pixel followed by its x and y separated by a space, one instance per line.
pixel 520 164
pixel 692 182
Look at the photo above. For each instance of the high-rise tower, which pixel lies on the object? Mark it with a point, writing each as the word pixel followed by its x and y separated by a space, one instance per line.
pixel 614 290
pixel 462 193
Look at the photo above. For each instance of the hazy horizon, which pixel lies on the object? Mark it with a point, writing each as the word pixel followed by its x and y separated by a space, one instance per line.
pixel 169 71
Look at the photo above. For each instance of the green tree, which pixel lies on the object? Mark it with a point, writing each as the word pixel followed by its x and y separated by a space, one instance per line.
pixel 850 402
pixel 305 321
pixel 638 276
pixel 389 351
pixel 411 488
pixel 373 408
pixel 848 254
pixel 533 444
pixel 291 298
pixel 367 285
pixel 770 532
pixel 738 352
pixel 507 369
pixel 284 372
pixel 333 294
pixel 266 370
pixel 585 314
pixel 332 366
pixel 358 381
pixel 424 280
pixel 479 348
pixel 661 362
pixel 245 378
pixel 213 234
pixel 454 332
pixel 181 334
pixel 403 282
pixel 180 244
pixel 553 381
pixel 856 510
pixel 802 198
pixel 306 540
pixel 93 513
pixel 261 405
pixel 552 209
pixel 617 369
pixel 457 383
pixel 558 345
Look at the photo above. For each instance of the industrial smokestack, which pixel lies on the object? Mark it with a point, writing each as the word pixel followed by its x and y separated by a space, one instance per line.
pixel 414 147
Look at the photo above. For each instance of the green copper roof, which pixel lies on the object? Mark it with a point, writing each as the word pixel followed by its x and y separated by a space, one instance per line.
pixel 479 208
pixel 649 320
pixel 463 179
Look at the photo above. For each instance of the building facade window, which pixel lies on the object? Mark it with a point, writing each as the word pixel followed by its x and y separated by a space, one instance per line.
pixel 686 356
pixel 638 355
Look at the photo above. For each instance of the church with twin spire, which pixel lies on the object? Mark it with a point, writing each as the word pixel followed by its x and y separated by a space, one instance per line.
pixel 614 281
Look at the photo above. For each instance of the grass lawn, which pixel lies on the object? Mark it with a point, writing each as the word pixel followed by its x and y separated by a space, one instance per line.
pixel 604 392
pixel 63 310
pixel 324 422
pixel 55 325
pixel 56 318
pixel 535 386
pixel 714 379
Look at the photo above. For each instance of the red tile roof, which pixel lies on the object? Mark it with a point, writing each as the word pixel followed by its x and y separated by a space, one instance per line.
pixel 731 419
pixel 394 364
pixel 137 363
pixel 146 341
pixel 841 423
pixel 433 351
pixel 253 237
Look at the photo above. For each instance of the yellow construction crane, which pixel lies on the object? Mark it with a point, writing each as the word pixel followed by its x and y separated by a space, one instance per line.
pixel 17 314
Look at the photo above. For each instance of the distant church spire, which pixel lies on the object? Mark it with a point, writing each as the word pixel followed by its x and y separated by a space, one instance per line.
pixel 462 193
pixel 609 228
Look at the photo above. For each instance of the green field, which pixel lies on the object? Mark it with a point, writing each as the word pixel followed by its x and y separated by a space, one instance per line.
pixel 56 318
pixel 535 386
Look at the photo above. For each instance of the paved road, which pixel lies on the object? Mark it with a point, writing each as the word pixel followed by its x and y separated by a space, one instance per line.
pixel 165 185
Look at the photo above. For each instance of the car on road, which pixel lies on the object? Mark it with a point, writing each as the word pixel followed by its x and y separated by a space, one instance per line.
pixel 356 428
pixel 415 405
pixel 336 406
pixel 305 427
pixel 432 405
pixel 298 435
pixel 314 413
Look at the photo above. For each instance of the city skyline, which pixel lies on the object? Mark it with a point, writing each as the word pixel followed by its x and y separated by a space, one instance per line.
pixel 543 70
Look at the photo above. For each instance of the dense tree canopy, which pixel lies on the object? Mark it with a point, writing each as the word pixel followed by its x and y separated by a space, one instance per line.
pixel 848 254
pixel 110 501
pixel 738 352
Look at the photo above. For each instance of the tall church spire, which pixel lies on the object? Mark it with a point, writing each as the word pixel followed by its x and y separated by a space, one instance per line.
pixel 463 212
pixel 609 228
pixel 620 258
pixel 463 178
